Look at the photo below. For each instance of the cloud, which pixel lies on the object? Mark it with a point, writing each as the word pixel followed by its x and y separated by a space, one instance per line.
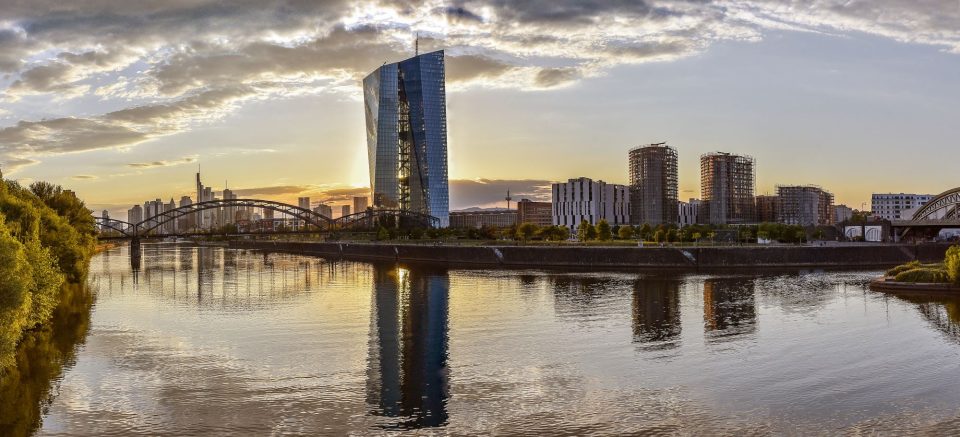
pixel 169 66
pixel 155 164
pixel 83 177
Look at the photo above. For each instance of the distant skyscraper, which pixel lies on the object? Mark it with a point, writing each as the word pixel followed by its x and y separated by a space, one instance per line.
pixel 767 209
pixel 653 184
pixel 726 188
pixel 303 202
pixel 359 203
pixel 344 210
pixel 406 118
pixel 135 214
pixel 324 210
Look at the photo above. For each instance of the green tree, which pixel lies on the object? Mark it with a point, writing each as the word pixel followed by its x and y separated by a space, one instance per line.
pixel 383 233
pixel 603 230
pixel 625 232
pixel 586 231
pixel 659 236
pixel 646 232
pixel 526 231
pixel 952 264
pixel 672 235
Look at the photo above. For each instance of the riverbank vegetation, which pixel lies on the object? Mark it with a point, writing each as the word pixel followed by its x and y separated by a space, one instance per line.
pixel 47 237
pixel 947 272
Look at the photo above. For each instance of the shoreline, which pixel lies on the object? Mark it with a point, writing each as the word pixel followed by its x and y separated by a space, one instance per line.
pixel 682 259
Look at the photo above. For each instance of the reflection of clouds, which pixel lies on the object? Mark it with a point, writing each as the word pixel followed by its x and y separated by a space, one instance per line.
pixel 136 383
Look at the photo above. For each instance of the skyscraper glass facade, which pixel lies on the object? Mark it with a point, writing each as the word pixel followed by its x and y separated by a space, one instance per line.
pixel 406 116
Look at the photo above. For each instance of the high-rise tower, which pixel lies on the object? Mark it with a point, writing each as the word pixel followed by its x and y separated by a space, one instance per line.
pixel 653 184
pixel 726 188
pixel 406 115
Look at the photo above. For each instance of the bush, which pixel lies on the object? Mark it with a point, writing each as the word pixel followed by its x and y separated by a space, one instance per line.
pixel 924 275
pixel 903 267
pixel 952 264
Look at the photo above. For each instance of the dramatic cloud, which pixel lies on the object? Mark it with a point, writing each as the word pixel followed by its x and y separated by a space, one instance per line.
pixel 154 164
pixel 172 65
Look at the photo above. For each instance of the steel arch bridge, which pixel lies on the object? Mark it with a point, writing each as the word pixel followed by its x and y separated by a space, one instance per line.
pixel 309 217
pixel 322 223
pixel 945 202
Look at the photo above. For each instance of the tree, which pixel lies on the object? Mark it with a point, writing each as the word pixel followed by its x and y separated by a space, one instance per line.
pixel 625 232
pixel 603 230
pixel 646 232
pixel 659 236
pixel 383 233
pixel 672 235
pixel 586 231
pixel 526 230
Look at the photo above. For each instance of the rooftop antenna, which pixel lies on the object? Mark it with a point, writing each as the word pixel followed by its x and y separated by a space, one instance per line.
pixel 508 199
pixel 416 44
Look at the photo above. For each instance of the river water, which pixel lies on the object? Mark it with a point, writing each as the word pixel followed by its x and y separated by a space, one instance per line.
pixel 206 340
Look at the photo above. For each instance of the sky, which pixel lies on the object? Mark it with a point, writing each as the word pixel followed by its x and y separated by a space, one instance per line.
pixel 123 101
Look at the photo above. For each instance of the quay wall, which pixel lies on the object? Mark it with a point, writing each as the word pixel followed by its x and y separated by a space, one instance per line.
pixel 686 258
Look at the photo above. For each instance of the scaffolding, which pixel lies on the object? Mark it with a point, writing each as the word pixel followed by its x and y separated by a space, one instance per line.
pixel 805 205
pixel 726 188
pixel 653 184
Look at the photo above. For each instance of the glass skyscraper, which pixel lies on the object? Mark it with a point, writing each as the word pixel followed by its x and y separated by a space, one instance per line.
pixel 406 113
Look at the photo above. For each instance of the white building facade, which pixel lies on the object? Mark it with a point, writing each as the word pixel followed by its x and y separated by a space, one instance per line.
pixel 897 206
pixel 585 199
pixel 688 212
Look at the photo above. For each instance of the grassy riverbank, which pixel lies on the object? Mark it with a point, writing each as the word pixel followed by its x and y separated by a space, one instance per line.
pixel 946 272
pixel 47 237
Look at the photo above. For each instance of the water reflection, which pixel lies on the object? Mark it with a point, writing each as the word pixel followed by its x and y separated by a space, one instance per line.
pixel 407 364
pixel 42 357
pixel 656 312
pixel 729 308
pixel 941 312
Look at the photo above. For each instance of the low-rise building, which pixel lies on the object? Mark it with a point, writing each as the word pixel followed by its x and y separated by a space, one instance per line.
pixel 842 213
pixel 896 206
pixel 585 199
pixel 767 208
pixel 480 218
pixel 805 205
pixel 688 213
pixel 538 213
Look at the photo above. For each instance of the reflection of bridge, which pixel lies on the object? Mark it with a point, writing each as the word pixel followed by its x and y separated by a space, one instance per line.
pixel 939 213
pixel 312 220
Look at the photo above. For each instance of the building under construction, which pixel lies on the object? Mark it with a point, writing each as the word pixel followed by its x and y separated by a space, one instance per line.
pixel 726 189
pixel 653 184
pixel 805 205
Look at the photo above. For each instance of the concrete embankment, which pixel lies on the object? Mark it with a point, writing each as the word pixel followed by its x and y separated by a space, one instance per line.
pixel 686 258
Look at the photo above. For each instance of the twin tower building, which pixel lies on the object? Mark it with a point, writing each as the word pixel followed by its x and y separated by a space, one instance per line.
pixel 726 188
pixel 406 117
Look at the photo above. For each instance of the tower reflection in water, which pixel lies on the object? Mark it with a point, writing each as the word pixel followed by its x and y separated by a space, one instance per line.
pixel 407 364
pixel 729 308
pixel 656 312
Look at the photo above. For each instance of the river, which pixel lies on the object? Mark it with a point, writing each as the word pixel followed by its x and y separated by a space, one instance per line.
pixel 207 340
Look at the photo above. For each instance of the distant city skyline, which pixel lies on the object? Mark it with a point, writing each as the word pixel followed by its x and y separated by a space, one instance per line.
pixel 855 97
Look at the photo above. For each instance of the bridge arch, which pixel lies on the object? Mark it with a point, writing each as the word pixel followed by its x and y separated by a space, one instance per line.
pixel 945 202
pixel 126 229
pixel 308 216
